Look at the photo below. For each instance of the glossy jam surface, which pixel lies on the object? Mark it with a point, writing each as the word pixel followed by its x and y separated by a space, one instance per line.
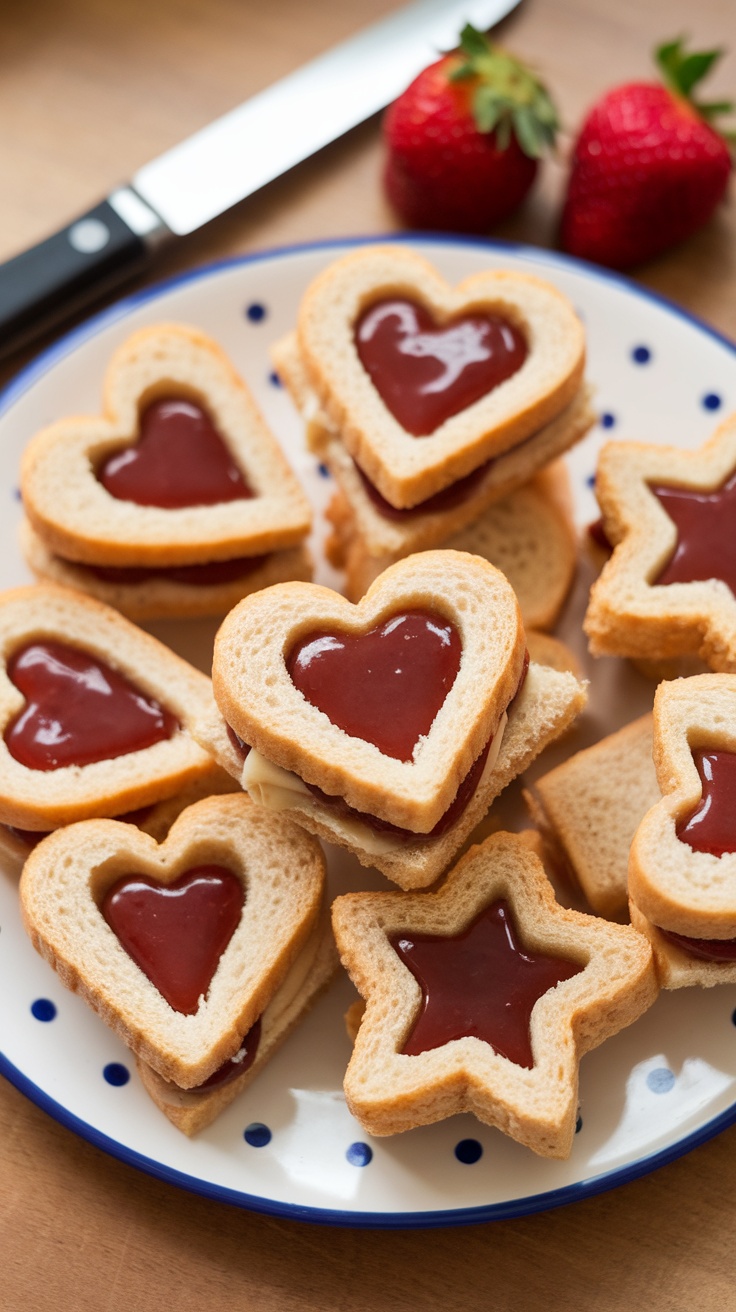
pixel 705 949
pixel 385 686
pixel 706 542
pixel 447 499
pixel 712 825
pixel 480 983
pixel 204 575
pixel 426 373
pixel 237 1065
pixel 78 710
pixel 176 933
pixel 179 460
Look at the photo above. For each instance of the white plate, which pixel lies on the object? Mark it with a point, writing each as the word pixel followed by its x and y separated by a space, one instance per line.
pixel 646 1096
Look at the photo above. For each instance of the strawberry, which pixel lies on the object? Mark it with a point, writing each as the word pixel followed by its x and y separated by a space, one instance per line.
pixel 648 168
pixel 465 137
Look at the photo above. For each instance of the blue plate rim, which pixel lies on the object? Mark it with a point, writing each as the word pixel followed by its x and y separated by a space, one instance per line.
pixel 532 1203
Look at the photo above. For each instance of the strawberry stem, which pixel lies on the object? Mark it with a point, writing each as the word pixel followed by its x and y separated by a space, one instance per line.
pixel 682 72
pixel 507 98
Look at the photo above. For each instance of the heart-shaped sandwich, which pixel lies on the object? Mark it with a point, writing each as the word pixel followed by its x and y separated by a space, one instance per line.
pixel 177 498
pixel 199 952
pixel 425 383
pixel 93 712
pixel 388 726
pixel 682 864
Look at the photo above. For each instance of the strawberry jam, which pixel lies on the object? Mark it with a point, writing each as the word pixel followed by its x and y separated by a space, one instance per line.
pixel 237 1065
pixel 447 499
pixel 176 933
pixel 425 373
pixel 78 710
pixel 712 825
pixel 705 949
pixel 204 575
pixel 481 983
pixel 384 686
pixel 179 460
pixel 706 544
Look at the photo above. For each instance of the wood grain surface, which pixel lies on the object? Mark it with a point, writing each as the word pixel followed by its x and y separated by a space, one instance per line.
pixel 90 90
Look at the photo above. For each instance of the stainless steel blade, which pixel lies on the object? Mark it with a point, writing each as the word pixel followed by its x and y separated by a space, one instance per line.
pixel 248 147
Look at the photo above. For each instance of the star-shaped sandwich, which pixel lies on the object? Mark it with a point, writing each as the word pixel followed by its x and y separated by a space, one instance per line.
pixel 482 997
pixel 669 589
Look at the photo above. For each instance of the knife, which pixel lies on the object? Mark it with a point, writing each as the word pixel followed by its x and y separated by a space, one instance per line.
pixel 226 161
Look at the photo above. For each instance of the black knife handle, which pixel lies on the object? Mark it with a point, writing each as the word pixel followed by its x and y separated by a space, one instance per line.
pixel 62 273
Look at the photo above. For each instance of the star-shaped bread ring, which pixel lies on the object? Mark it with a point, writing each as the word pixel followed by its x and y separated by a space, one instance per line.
pixel 641 606
pixel 389 1090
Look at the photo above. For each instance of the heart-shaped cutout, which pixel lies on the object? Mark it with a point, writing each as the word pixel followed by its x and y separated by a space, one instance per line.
pixel 177 932
pixel 179 460
pixel 434 721
pixel 385 686
pixel 79 710
pixel 426 372
pixel 180 467
pixel 392 351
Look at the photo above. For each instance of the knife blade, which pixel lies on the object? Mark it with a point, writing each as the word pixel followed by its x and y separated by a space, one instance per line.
pixel 227 161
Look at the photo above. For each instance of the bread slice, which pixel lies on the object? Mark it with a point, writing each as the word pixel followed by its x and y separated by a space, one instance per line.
pixel 44 799
pixel 544 649
pixel 546 706
pixel 588 810
pixel 192 1110
pixel 672 884
pixel 406 469
pixel 80 521
pixel 630 613
pixel 282 872
pixel 389 1091
pixel 161 596
pixel 677 969
pixel 528 536
pixel 258 699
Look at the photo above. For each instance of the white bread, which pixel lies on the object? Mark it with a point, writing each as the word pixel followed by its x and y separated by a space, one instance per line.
pixel 407 470
pixel 630 614
pixel 544 649
pixel 257 698
pixel 282 871
pixel 546 706
pixel 673 885
pixel 192 1110
pixel 389 1091
pixel 588 809
pixel 676 968
pixel 161 597
pixel 45 799
pixel 79 520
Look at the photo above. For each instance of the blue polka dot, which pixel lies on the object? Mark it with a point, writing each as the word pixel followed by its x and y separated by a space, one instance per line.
pixel 641 355
pixel 257 1135
pixel 711 401
pixel 43 1009
pixel 468 1151
pixel 116 1074
pixel 608 420
pixel 660 1080
pixel 578 1124
pixel 274 379
pixel 359 1154
pixel 590 480
pixel 17 494
pixel 324 471
pixel 256 312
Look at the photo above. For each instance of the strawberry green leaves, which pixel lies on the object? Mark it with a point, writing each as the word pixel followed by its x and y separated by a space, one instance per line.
pixel 507 98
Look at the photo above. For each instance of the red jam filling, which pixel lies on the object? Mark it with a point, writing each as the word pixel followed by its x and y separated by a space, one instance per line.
pixel 705 949
pixel 597 534
pixel 176 933
pixel 205 575
pixel 447 499
pixel 712 825
pixel 179 460
pixel 706 543
pixel 237 1065
pixel 384 686
pixel 481 983
pixel 425 373
pixel 78 710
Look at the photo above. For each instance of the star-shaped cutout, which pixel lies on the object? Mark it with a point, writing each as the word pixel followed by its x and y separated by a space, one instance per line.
pixel 669 589
pixel 682 864
pixel 607 982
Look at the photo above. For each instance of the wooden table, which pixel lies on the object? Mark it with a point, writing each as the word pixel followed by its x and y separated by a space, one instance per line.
pixel 88 92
